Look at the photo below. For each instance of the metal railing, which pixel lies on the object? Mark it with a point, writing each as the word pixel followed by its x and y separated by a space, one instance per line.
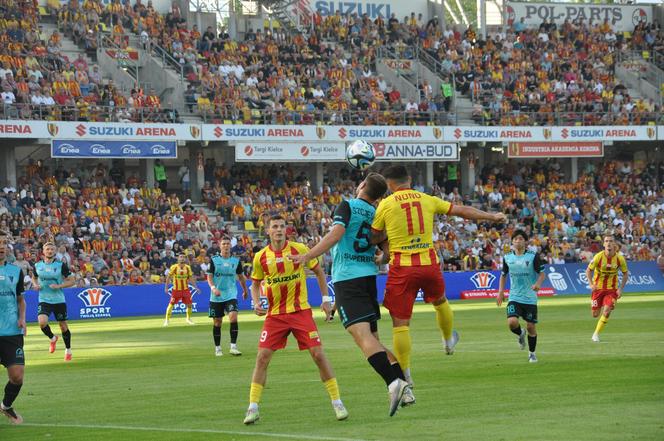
pixel 232 115
pixel 566 118
pixel 91 113
pixel 167 59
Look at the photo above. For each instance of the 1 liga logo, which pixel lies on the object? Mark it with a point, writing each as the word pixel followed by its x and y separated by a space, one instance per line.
pixel 94 303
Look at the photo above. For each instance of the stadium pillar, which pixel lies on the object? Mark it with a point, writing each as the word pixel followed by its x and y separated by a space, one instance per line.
pixel 429 175
pixel 197 175
pixel 574 172
pixel 318 178
pixel 147 167
pixel 10 165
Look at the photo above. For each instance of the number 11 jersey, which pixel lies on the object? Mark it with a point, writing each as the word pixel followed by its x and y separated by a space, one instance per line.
pixel 353 255
pixel 407 217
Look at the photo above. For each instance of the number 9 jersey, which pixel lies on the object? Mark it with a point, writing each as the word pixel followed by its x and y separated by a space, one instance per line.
pixel 353 255
pixel 407 217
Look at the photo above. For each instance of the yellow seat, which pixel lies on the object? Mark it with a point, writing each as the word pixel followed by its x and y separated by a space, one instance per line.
pixel 228 122
pixel 249 226
pixel 42 11
pixel 645 55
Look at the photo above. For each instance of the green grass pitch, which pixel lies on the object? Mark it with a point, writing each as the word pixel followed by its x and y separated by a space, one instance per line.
pixel 131 379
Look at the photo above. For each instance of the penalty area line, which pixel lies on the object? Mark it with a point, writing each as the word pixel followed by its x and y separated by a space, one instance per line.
pixel 185 430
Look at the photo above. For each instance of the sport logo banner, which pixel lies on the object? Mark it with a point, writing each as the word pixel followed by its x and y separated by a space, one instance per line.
pixel 94 303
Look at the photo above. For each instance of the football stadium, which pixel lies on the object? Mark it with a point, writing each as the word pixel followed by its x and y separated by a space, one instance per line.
pixel 324 220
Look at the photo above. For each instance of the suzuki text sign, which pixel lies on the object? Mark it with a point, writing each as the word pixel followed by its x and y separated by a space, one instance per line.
pixel 113 149
pixel 288 152
pixel 416 152
pixel 621 17
pixel 587 149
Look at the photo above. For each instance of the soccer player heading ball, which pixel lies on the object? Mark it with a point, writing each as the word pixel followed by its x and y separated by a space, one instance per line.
pixel 405 219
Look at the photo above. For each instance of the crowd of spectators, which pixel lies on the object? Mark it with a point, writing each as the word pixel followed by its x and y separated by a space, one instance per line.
pixel 549 75
pixel 114 229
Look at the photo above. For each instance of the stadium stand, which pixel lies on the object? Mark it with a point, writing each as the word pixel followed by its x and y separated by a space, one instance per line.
pixel 117 231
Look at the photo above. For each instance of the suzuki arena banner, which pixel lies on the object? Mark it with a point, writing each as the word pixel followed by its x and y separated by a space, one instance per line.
pixel 283 152
pixel 416 152
pixel 374 9
pixel 623 18
pixel 545 149
pixel 113 149
pixel 141 300
pixel 296 134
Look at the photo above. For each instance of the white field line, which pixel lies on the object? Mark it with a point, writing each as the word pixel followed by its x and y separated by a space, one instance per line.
pixel 185 430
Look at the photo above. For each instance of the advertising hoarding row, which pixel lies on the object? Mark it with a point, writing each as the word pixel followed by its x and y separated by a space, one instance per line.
pixel 323 134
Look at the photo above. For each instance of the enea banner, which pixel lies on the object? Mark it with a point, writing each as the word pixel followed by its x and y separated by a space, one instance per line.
pixel 621 17
pixel 142 300
pixel 113 149
pixel 288 152
pixel 589 149
pixel 416 152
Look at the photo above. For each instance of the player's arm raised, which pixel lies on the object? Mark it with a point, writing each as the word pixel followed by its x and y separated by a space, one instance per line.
pixel 327 242
pixel 326 305
pixel 473 213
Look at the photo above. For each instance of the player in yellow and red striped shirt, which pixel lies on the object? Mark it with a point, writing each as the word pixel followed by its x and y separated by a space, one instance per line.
pixel 405 219
pixel 181 275
pixel 288 311
pixel 604 281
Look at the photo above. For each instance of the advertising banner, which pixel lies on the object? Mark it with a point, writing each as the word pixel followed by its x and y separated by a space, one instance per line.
pixel 660 129
pixel 276 133
pixel 23 129
pixel 493 133
pixel 601 133
pixel 374 9
pixel 141 300
pixel 621 17
pixel 122 131
pixel 113 149
pixel 545 149
pixel 416 152
pixel 288 152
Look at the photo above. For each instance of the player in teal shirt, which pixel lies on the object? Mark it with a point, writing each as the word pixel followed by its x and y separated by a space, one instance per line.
pixel 51 277
pixel 12 328
pixel 224 270
pixel 526 272
pixel 354 272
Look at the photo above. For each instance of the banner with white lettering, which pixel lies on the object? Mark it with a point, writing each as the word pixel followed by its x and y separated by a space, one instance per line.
pixel 277 133
pixel 588 149
pixel 374 9
pixel 288 152
pixel 416 152
pixel 621 17
pixel 113 149
pixel 601 133
pixel 122 131
pixel 480 133
pixel 319 134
